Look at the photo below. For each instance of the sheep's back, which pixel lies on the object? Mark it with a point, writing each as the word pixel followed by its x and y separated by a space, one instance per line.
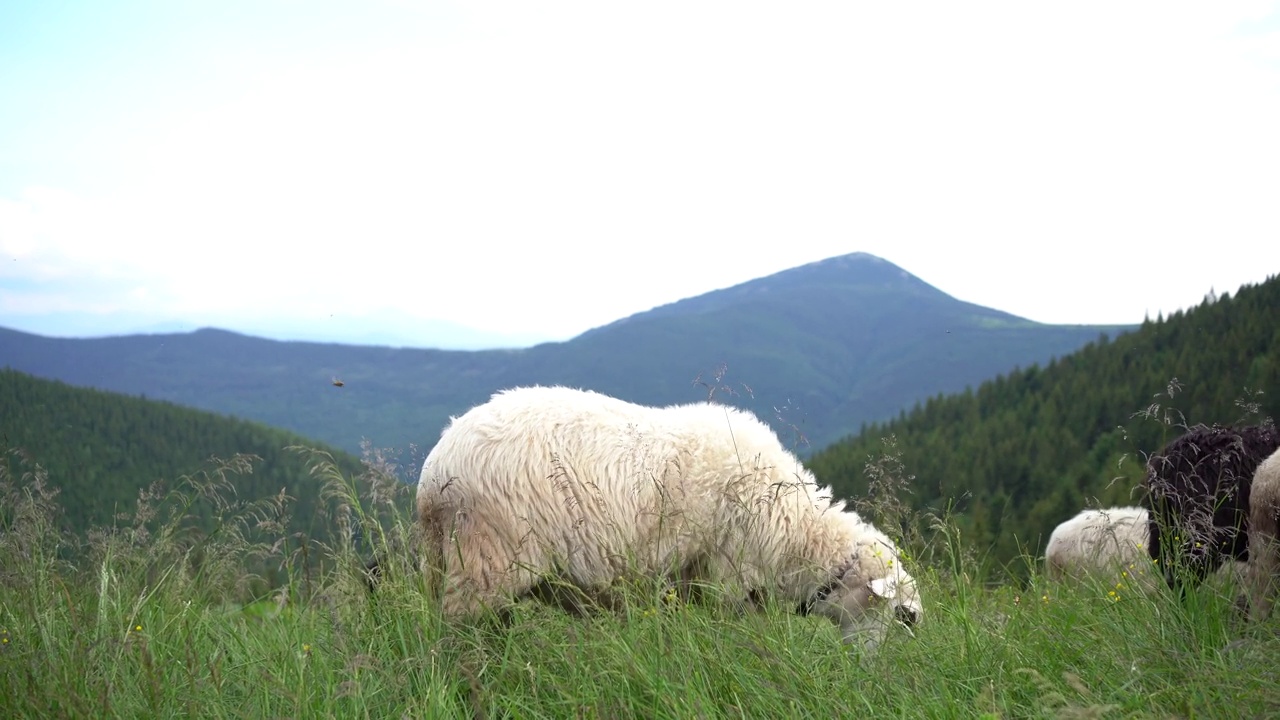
pixel 590 471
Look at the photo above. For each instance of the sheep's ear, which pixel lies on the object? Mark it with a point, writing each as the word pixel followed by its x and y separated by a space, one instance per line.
pixel 882 587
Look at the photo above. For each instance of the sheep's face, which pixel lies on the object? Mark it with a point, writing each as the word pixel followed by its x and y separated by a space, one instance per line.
pixel 866 609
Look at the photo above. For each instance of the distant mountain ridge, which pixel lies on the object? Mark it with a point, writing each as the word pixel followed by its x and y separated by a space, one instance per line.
pixel 391 329
pixel 817 350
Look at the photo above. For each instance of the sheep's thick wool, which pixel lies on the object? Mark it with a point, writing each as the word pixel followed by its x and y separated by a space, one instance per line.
pixel 1264 537
pixel 551 487
pixel 1108 544
pixel 1198 493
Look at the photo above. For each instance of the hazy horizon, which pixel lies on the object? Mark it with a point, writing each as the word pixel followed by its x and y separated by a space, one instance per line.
pixel 395 329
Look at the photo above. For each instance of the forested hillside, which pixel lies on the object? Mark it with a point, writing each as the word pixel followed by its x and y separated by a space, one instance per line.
pixel 1027 450
pixel 101 448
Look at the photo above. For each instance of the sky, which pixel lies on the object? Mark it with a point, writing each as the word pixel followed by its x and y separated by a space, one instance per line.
pixel 536 169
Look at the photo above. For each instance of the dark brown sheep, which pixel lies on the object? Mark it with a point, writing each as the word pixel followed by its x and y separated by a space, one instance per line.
pixel 1198 489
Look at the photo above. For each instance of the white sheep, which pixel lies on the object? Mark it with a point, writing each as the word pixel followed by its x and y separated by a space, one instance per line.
pixel 1264 537
pixel 1111 545
pixel 551 486
pixel 1108 544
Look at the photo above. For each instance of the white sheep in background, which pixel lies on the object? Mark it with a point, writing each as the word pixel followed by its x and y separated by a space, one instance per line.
pixel 1111 545
pixel 1264 537
pixel 552 487
pixel 1108 544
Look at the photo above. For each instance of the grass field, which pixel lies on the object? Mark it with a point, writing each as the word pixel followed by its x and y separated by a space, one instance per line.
pixel 146 620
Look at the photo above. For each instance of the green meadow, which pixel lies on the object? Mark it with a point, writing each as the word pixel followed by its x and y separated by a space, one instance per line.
pixel 146 619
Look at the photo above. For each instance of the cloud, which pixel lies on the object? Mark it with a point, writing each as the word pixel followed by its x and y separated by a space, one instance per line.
pixel 559 165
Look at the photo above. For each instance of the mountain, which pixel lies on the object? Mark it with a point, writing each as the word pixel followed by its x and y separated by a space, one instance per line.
pixel 1029 449
pixel 817 350
pixel 101 449
pixel 390 328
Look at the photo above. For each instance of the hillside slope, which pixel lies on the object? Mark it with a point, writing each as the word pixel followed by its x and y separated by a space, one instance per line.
pixel 100 449
pixel 1029 449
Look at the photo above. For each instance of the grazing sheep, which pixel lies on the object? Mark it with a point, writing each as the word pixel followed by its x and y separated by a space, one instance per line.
pixel 557 493
pixel 1111 545
pixel 1264 537
pixel 1108 544
pixel 1198 497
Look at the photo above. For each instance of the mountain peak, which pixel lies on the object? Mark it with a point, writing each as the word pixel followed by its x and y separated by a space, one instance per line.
pixel 858 267
pixel 850 259
pixel 857 274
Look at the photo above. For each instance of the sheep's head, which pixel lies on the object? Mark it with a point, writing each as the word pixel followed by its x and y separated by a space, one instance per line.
pixel 867 600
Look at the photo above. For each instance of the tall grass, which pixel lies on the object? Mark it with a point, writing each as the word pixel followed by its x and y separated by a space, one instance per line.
pixel 150 620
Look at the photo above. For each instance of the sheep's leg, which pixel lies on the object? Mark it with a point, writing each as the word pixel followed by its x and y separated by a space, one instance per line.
pixel 697 583
pixel 477 571
pixel 690 581
pixel 575 600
